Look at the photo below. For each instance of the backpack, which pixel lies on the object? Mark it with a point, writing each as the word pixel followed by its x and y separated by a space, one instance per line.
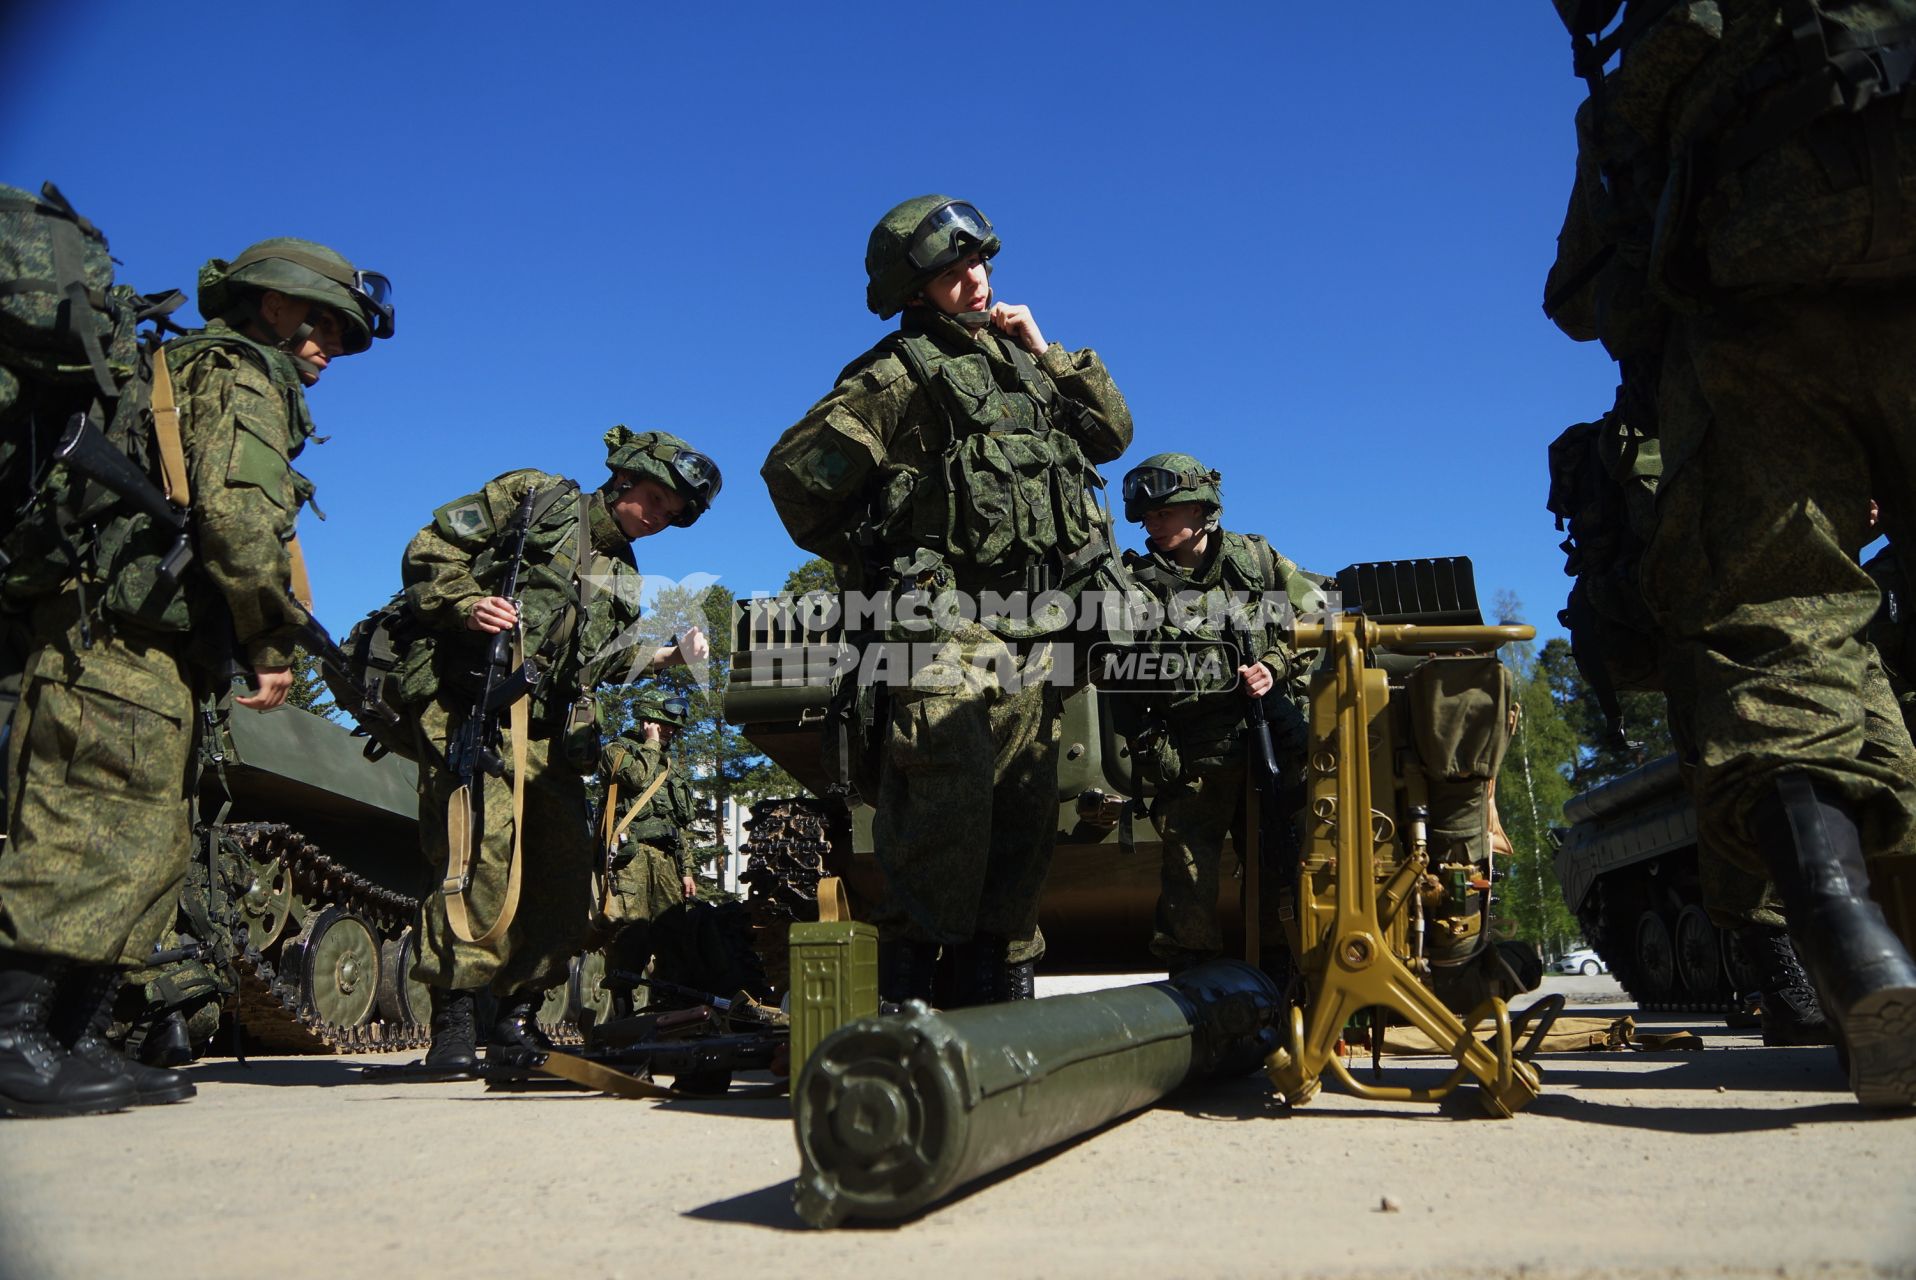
pixel 389 653
pixel 1603 481
pixel 69 344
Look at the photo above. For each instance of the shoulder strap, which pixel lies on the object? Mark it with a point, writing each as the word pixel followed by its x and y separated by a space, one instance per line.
pixel 645 798
pixel 166 432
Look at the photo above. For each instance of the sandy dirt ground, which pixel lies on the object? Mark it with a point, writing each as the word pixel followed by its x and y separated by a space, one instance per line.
pixel 1736 1161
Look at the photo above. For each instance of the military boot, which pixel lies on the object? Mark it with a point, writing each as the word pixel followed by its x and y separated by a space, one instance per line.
pixel 977 973
pixel 80 1019
pixel 516 1039
pixel 906 971
pixel 1018 981
pixel 37 1076
pixel 455 1037
pixel 1786 1000
pixel 1863 976
pixel 167 1043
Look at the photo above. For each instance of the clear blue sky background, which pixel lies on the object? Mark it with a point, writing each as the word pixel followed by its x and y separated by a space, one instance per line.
pixel 1309 240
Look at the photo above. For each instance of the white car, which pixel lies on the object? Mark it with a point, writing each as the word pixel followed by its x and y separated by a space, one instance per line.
pixel 1584 961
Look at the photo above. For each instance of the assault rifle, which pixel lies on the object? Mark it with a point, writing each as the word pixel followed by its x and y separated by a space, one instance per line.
pixel 86 451
pixel 500 684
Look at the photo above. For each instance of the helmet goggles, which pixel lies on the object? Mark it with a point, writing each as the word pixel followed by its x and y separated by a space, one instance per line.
pixel 947 234
pixel 672 708
pixel 374 294
pixel 1143 485
pixel 694 475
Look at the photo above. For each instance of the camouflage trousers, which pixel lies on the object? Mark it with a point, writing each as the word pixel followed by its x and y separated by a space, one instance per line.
pixel 967 805
pixel 643 885
pixel 99 805
pixel 555 897
pixel 1735 894
pixel 1193 817
pixel 1779 421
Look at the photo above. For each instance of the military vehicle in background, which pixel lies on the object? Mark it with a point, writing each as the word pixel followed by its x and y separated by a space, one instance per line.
pixel 1098 903
pixel 303 933
pixel 1627 861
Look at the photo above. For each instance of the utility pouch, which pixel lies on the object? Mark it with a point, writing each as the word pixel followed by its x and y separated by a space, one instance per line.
pixel 579 735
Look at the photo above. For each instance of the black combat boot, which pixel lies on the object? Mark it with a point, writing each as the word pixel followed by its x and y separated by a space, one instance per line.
pixel 1787 1001
pixel 167 1043
pixel 1018 981
pixel 906 971
pixel 37 1076
pixel 455 1037
pixel 516 1039
pixel 80 1020
pixel 977 973
pixel 1862 974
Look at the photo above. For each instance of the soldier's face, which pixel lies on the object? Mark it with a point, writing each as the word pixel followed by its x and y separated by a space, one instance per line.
pixel 1175 527
pixel 963 286
pixel 318 348
pixel 645 508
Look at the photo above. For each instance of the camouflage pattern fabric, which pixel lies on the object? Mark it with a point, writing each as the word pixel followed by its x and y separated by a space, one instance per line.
pixel 100 831
pixel 579 635
pixel 1193 817
pixel 967 794
pixel 967 807
pixel 881 436
pixel 451 564
pixel 1752 569
pixel 644 881
pixel 99 778
pixel 555 900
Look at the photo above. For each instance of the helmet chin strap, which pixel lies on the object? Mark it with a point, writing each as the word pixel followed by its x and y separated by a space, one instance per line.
pixel 290 345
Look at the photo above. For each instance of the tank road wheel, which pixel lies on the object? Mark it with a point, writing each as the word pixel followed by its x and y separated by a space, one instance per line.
pixel 1655 958
pixel 589 993
pixel 1699 954
pixel 339 975
pixel 266 901
pixel 557 1008
pixel 402 998
pixel 1736 962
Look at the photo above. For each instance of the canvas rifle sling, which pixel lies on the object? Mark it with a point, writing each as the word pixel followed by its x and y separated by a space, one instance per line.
pixel 166 431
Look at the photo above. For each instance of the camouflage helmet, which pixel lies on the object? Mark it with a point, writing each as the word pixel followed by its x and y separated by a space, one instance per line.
pixel 914 242
pixel 662 706
pixel 302 269
pixel 661 456
pixel 1587 17
pixel 1166 479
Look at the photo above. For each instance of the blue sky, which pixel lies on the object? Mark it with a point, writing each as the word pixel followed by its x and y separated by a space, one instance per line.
pixel 1309 241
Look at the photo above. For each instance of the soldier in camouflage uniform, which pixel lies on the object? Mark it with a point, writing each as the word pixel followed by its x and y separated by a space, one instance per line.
pixel 956 456
pixel 1779 147
pixel 648 868
pixel 1194 746
pixel 578 598
pixel 101 778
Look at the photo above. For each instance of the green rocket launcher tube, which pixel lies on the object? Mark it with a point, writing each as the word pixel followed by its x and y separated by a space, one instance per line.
pixel 895 1113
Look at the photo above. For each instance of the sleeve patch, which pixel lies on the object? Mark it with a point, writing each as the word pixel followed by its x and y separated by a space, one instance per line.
pixel 464 520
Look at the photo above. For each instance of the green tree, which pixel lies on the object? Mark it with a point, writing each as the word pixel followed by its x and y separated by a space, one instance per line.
pixel 1645 719
pixel 1531 790
pixel 815 574
pixel 309 690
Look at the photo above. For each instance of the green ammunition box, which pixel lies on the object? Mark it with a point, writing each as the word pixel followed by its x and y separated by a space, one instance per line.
pixel 834 980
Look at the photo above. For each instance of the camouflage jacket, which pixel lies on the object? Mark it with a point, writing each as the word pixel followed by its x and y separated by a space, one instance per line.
pixel 1205 713
pixel 577 614
pixel 633 763
pixel 243 418
pixel 872 457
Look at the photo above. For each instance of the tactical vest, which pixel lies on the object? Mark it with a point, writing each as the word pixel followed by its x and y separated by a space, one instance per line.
pixel 128 548
pixel 1010 489
pixel 666 814
pixel 574 602
pixel 1204 710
